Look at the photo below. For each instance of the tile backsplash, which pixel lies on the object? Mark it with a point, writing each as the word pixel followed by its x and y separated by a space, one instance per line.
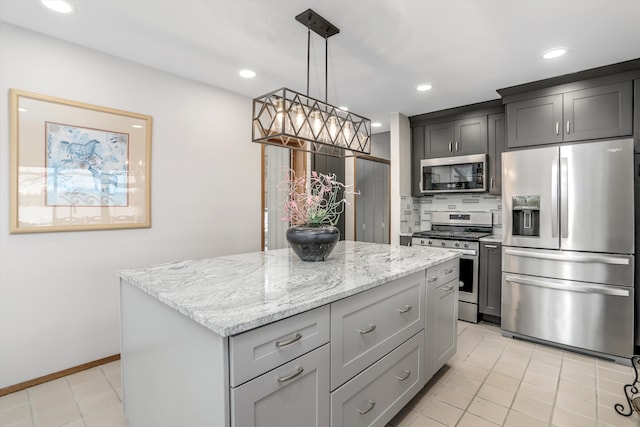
pixel 416 211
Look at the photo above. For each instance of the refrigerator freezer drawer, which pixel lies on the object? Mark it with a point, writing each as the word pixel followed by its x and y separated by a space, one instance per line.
pixel 611 269
pixel 583 315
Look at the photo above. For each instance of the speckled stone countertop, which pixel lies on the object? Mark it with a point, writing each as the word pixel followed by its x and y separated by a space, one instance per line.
pixel 493 238
pixel 233 294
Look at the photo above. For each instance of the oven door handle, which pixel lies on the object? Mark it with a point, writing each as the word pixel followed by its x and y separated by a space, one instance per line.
pixel 468 252
pixel 589 288
pixel 604 259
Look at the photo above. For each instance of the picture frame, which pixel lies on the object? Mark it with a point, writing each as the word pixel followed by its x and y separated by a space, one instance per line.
pixel 77 166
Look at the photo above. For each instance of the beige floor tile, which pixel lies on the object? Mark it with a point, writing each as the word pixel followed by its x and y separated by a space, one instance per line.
pixel 473 372
pixel 574 366
pixel 547 349
pixel 50 387
pixel 541 380
pixel 541 394
pixel 404 418
pixel 95 386
pixel 578 378
pixel 488 351
pixel 106 417
pixel 480 361
pixel 576 405
pixel 607 416
pixel 85 376
pixel 97 402
pixel 77 423
pixel 512 371
pixel 52 401
pixel 605 364
pixel 59 416
pixel 623 377
pixel 609 386
pixel 514 360
pixel 465 383
pixel 532 407
pixel 562 418
pixel 611 399
pixel 496 395
pixel 577 390
pixel 15 414
pixel 455 396
pixel 423 421
pixel 553 359
pixel 14 399
pixel 471 420
pixel 544 368
pixel 488 410
pixel 518 419
pixel 580 358
pixel 441 412
pixel 502 381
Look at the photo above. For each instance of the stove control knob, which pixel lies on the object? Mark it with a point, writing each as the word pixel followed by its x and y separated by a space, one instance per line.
pixel 457 244
pixel 466 245
pixel 421 242
pixel 443 243
pixel 430 243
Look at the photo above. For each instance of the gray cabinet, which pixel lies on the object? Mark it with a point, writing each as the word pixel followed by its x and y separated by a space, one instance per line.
pixel 490 280
pixel 636 119
pixel 590 113
pixel 296 393
pixel 417 154
pixel 372 202
pixel 496 131
pixel 456 138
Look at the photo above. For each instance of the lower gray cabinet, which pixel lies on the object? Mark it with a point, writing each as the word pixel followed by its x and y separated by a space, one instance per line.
pixel 375 395
pixel 490 280
pixel 445 322
pixel 295 394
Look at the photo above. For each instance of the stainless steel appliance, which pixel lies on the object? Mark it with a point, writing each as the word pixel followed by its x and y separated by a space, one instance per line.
pixel 460 231
pixel 454 174
pixel 568 246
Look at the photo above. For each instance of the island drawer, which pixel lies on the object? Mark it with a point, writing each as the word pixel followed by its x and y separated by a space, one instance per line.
pixel 366 326
pixel 443 273
pixel 259 350
pixel 373 397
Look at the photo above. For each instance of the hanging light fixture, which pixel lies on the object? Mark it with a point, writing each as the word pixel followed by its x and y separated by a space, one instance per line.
pixel 287 118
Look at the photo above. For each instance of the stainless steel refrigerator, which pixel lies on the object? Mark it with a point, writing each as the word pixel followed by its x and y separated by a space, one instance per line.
pixel 568 246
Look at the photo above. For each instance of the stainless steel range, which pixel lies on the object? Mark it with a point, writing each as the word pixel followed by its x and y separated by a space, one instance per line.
pixel 460 231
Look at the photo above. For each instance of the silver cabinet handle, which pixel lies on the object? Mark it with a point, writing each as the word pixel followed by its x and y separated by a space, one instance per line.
pixel 405 309
pixel 449 271
pixel 405 376
pixel 602 259
pixel 564 197
pixel 292 376
pixel 450 146
pixel 372 404
pixel 457 146
pixel 554 198
pixel 491 246
pixel 565 285
pixel 568 126
pixel 449 288
pixel 371 328
pixel 288 342
pixel 432 279
pixel 493 184
pixel 557 128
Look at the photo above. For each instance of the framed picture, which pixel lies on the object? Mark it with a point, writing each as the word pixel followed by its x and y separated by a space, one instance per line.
pixel 77 166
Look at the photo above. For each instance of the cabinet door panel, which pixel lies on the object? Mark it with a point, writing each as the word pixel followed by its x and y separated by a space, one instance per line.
pixel 490 287
pixel 497 144
pixel 534 121
pixel 470 136
pixel 636 120
pixel 599 112
pixel 438 139
pixel 446 323
pixel 273 401
pixel 417 154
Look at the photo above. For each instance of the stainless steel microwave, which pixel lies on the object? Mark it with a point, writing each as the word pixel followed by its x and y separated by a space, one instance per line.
pixel 459 174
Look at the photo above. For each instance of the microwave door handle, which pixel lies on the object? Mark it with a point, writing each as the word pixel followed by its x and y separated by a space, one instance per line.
pixel 554 198
pixel 564 197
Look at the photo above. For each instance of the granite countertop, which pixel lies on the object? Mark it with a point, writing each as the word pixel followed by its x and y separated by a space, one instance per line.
pixel 493 238
pixel 236 293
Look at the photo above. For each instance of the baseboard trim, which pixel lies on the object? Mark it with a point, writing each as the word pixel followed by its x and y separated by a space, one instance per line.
pixel 54 376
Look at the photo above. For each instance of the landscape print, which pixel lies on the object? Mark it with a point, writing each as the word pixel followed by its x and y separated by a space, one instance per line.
pixel 85 167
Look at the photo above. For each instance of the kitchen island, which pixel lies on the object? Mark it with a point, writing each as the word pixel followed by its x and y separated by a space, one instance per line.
pixel 264 338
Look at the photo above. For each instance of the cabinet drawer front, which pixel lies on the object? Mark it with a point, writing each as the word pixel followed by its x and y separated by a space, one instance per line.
pixel 259 350
pixel 443 273
pixel 369 325
pixel 296 394
pixel 377 394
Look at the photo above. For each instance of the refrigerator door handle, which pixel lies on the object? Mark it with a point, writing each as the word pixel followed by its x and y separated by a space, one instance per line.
pixel 554 198
pixel 568 286
pixel 603 259
pixel 564 197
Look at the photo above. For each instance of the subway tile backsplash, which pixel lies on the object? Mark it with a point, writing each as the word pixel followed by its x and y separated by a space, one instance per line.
pixel 416 211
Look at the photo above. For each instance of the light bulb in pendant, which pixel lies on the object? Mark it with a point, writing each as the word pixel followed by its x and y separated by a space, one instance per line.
pixel 279 115
pixel 346 131
pixel 317 124
pixel 300 121
pixel 333 128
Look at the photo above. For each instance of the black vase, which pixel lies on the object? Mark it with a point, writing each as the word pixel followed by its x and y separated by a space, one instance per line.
pixel 313 243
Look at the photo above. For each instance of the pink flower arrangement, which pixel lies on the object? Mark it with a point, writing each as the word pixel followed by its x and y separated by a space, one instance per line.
pixel 320 201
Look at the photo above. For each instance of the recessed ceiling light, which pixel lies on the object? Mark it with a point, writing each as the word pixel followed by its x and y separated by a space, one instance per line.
pixel 554 53
pixel 247 74
pixel 137 126
pixel 423 88
pixel 343 108
pixel 376 124
pixel 59 6
pixel 22 110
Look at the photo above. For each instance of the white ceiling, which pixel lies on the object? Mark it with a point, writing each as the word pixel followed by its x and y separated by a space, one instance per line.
pixel 465 48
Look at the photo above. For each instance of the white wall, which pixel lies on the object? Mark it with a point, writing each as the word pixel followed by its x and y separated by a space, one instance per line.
pixel 59 298
pixel 400 135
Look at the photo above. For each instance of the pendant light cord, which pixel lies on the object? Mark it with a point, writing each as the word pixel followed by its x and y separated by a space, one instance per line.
pixel 326 68
pixel 308 54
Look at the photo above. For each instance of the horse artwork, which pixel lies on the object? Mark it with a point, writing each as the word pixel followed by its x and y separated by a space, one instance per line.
pixel 86 167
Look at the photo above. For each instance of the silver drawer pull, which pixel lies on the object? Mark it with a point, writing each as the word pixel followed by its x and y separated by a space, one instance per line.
pixel 405 309
pixel 449 271
pixel 448 288
pixel 292 376
pixel 371 328
pixel 490 246
pixel 432 279
pixel 372 404
pixel 296 338
pixel 406 375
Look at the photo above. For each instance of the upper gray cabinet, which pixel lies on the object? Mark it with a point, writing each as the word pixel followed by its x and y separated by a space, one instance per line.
pixel 417 154
pixel 590 113
pixel 497 130
pixel 456 138
pixel 636 120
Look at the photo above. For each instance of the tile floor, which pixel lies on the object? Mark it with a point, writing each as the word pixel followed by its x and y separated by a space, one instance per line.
pixel 491 381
